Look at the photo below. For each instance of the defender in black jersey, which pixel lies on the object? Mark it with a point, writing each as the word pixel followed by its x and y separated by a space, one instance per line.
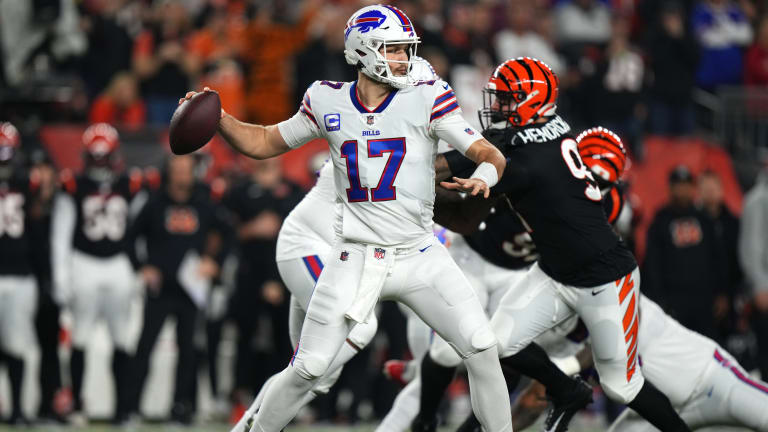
pixel 92 273
pixel 18 286
pixel 584 268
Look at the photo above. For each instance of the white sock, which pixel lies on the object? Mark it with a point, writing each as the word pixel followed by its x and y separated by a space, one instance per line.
pixel 488 391
pixel 282 400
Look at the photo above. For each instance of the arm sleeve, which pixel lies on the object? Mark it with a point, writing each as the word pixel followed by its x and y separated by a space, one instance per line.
pixel 62 228
pixel 303 126
pixel 456 131
pixel 446 122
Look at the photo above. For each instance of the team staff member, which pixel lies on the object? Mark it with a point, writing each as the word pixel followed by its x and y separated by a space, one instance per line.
pixel 180 223
pixel 259 204
pixel 684 266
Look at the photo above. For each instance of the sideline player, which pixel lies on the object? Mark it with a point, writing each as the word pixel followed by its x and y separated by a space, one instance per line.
pixel 18 258
pixel 584 268
pixel 92 272
pixel 384 176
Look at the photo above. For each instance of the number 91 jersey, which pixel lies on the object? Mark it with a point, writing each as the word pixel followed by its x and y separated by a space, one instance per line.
pixel 383 157
pixel 102 212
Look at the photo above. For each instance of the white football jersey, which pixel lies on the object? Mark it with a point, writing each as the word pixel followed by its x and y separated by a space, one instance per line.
pixel 672 357
pixel 383 156
pixel 308 229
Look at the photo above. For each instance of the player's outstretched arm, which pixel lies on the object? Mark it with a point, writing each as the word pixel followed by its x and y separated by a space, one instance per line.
pixel 252 140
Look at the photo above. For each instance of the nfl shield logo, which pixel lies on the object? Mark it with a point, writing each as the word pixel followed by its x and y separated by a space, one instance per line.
pixel 369 119
pixel 344 256
pixel 378 253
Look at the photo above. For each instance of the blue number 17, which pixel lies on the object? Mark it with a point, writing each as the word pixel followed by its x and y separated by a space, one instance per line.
pixel 385 190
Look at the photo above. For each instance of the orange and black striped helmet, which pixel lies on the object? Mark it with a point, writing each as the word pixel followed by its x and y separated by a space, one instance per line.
pixel 520 91
pixel 603 152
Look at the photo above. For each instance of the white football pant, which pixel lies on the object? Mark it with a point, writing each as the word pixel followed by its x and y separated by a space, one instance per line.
pixel 427 280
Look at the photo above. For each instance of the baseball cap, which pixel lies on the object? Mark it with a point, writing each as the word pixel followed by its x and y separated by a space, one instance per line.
pixel 681 174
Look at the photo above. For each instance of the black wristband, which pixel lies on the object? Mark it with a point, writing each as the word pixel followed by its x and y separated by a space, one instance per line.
pixel 458 163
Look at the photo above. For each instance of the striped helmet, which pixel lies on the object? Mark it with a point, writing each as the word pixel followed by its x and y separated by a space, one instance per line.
pixel 519 92
pixel 603 152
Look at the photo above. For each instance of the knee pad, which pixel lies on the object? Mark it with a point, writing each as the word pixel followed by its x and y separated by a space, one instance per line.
pixel 311 367
pixel 444 354
pixel 477 330
pixel 362 333
pixel 325 383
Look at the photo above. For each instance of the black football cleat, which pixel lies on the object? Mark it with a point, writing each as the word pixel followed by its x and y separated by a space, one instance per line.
pixel 564 407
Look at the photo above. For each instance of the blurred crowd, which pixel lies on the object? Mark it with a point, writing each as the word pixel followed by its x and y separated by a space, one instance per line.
pixel 632 66
pixel 629 65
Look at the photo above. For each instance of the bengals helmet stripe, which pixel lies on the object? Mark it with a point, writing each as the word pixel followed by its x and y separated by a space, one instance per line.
pixel 603 152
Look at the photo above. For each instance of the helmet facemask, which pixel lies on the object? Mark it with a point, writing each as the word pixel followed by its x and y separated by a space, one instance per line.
pixel 505 115
pixel 380 70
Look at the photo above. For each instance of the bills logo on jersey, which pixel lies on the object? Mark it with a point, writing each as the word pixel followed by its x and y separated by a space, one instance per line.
pixel 469 131
pixel 378 253
pixel 332 122
pixel 344 256
pixel 365 22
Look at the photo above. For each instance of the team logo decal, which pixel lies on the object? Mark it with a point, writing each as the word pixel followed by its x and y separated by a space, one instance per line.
pixel 344 255
pixel 378 253
pixel 365 22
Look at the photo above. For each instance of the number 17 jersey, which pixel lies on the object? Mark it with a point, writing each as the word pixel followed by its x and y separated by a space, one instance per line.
pixel 383 157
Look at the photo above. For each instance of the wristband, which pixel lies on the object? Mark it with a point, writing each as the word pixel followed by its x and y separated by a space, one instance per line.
pixel 486 172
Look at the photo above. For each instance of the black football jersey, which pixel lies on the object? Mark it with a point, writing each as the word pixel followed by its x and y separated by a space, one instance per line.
pixel 502 239
pixel 16 194
pixel 561 205
pixel 102 213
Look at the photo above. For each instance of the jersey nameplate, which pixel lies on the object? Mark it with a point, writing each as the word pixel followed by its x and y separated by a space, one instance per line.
pixel 552 130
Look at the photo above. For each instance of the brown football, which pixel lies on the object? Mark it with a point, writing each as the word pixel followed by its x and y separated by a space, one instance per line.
pixel 195 122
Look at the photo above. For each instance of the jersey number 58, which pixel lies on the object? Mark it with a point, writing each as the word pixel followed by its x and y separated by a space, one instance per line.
pixel 384 191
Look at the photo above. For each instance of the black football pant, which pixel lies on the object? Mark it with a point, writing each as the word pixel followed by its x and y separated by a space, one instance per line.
pixel 156 310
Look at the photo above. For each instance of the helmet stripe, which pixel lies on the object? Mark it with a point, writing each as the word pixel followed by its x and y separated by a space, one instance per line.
pixel 517 78
pixel 528 69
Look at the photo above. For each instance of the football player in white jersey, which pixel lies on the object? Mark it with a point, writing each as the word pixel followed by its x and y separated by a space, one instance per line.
pixel 701 379
pixel 382 132
pixel 304 240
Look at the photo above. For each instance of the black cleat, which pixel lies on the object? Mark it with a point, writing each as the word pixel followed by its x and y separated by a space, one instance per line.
pixel 420 425
pixel 564 407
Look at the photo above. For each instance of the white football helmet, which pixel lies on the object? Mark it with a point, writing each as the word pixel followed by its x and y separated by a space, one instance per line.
pixel 372 28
